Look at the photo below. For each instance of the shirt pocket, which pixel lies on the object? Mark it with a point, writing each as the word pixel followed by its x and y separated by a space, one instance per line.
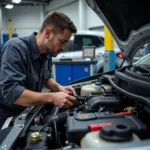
pixel 32 81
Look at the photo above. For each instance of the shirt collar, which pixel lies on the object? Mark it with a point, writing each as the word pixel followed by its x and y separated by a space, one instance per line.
pixel 35 52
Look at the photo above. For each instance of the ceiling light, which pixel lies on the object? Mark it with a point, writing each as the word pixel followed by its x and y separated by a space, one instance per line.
pixel 16 1
pixel 9 6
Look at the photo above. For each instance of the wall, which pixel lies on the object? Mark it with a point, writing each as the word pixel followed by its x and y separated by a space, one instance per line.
pixel 55 4
pixel 68 7
pixel 93 21
pixel 73 10
pixel 25 19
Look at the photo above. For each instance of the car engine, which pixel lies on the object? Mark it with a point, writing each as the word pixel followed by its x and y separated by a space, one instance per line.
pixel 102 116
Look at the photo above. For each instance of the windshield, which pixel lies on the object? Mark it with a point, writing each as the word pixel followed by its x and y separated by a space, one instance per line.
pixel 145 61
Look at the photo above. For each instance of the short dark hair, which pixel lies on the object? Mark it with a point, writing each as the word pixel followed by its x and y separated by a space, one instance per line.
pixel 58 21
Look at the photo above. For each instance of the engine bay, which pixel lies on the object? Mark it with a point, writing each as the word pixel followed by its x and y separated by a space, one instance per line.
pixel 102 116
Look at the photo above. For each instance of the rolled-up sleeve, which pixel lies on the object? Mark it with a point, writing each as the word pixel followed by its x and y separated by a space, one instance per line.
pixel 12 73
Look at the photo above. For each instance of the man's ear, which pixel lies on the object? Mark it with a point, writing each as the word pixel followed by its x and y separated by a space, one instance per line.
pixel 48 33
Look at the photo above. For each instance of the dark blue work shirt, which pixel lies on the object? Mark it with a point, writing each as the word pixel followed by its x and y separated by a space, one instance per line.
pixel 21 67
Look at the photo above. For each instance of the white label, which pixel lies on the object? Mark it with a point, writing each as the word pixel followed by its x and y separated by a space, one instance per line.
pixel 7 122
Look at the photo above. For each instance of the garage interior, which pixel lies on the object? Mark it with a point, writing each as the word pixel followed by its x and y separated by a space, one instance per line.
pixel 107 81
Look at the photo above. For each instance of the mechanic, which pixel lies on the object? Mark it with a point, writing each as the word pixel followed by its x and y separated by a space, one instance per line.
pixel 26 66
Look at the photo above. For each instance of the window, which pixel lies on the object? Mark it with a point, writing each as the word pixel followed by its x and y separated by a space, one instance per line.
pixel 87 40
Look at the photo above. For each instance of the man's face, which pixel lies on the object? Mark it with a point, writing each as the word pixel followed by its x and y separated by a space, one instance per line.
pixel 56 43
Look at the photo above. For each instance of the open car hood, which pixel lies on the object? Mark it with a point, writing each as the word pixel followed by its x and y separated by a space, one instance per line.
pixel 127 20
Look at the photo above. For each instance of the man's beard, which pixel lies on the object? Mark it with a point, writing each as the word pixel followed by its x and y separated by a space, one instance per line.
pixel 51 53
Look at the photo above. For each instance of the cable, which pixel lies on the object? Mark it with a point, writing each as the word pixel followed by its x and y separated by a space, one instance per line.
pixel 79 107
pixel 43 127
pixel 103 88
pixel 56 136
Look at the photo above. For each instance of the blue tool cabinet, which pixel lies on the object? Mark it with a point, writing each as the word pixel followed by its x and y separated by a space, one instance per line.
pixel 69 71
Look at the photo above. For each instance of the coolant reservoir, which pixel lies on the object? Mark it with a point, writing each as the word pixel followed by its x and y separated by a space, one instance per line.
pixel 93 140
pixel 96 87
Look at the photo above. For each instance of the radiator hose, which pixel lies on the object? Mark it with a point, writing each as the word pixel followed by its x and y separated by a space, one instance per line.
pixel 59 118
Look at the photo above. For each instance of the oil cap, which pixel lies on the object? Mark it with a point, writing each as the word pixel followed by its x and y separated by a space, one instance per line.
pixel 116 133
pixel 35 137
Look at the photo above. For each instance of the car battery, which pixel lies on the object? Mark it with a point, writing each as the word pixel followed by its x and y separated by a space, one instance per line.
pixel 80 124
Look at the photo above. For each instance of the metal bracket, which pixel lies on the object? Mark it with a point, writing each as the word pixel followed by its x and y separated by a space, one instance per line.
pixel 16 130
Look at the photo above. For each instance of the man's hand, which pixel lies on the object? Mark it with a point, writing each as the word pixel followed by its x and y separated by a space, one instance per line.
pixel 56 87
pixel 67 89
pixel 63 99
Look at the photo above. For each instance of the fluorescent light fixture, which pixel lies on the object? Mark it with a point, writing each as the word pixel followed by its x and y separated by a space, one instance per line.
pixel 9 6
pixel 16 1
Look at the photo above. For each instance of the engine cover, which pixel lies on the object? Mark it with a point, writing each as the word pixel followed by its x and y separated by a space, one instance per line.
pixel 79 125
pixel 107 100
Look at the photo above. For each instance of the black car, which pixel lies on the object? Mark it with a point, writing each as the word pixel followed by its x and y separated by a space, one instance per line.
pixel 112 109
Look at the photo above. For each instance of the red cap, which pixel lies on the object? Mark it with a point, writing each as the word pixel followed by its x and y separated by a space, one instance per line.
pixel 97 127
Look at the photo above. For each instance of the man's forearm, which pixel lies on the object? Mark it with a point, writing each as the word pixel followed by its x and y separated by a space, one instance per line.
pixel 30 98
pixel 53 85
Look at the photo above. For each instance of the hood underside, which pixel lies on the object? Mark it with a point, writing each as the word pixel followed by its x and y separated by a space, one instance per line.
pixel 127 20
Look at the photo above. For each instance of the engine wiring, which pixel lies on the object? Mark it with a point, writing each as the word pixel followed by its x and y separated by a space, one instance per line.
pixel 46 125
pixel 58 143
